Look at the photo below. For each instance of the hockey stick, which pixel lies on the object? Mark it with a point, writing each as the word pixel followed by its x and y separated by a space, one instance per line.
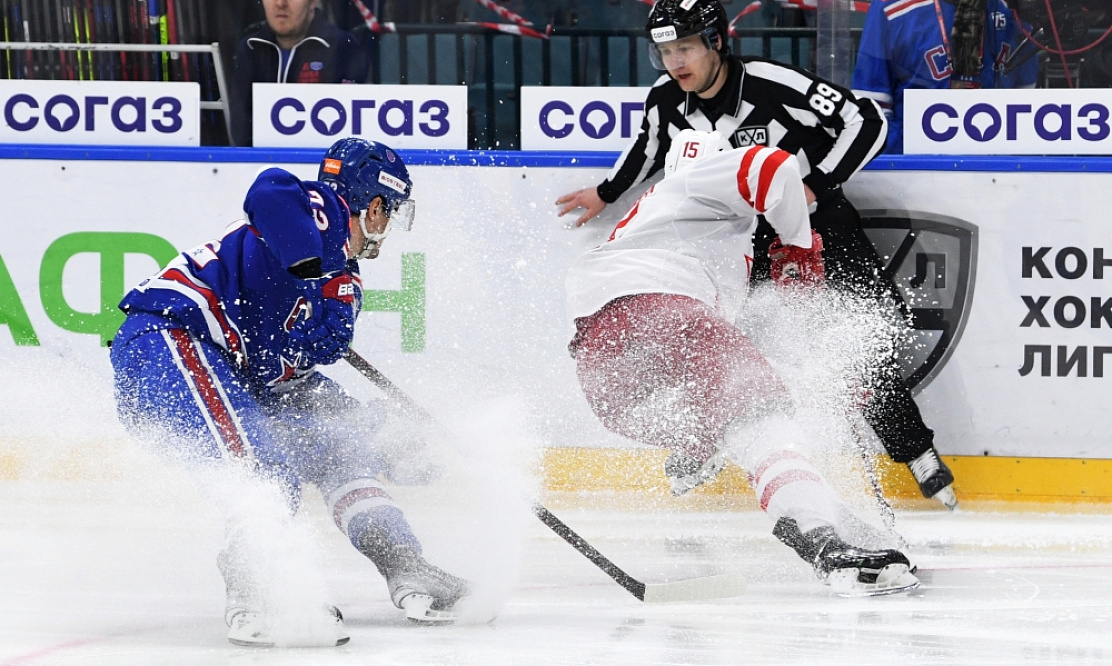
pixel 383 382
pixel 887 512
pixel 707 587
pixel 692 589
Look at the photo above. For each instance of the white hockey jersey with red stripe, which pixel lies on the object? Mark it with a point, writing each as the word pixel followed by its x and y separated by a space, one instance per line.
pixel 692 233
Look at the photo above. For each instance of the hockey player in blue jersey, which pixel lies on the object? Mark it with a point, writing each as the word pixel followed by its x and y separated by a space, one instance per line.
pixel 217 360
pixel 908 44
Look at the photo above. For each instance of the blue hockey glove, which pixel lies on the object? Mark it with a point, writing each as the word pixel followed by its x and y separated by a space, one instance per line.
pixel 324 337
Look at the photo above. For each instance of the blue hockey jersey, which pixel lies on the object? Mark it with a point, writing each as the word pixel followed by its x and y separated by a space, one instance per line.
pixel 903 46
pixel 239 292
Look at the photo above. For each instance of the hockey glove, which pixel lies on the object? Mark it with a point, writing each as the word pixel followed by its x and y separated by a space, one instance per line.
pixel 797 266
pixel 324 337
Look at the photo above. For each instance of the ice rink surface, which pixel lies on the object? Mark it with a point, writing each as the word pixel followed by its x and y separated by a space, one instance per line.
pixel 120 572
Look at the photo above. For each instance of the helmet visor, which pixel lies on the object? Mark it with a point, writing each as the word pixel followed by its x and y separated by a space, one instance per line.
pixel 401 214
pixel 678 53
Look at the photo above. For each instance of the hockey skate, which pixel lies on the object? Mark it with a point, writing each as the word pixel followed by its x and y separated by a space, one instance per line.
pixel 686 473
pixel 427 594
pixel 848 570
pixel 934 478
pixel 250 628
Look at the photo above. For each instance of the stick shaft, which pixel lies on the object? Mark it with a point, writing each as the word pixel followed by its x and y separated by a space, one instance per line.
pixel 383 382
pixel 887 513
pixel 631 584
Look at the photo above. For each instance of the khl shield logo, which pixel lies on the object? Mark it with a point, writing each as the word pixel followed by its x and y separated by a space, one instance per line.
pixel 750 136
pixel 933 260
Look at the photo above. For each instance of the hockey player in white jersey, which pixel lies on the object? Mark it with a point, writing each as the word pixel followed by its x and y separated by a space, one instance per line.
pixel 661 362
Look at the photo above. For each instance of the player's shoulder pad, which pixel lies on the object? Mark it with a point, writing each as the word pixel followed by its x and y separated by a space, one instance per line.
pixel 734 161
pixel 274 184
pixel 278 206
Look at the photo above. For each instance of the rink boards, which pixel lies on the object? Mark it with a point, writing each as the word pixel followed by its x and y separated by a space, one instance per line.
pixel 1006 263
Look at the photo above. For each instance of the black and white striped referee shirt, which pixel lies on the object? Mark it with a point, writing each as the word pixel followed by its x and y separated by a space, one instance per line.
pixel 831 132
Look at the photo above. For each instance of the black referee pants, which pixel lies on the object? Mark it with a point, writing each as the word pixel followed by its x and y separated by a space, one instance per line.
pixel 852 265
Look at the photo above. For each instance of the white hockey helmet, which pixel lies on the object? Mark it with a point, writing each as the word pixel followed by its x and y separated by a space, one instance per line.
pixel 690 145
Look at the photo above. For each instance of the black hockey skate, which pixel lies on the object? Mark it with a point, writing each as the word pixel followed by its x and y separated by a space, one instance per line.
pixel 849 570
pixel 934 478
pixel 428 595
pixel 686 473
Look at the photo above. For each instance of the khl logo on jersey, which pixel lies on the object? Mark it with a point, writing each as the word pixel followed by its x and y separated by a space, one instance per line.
pixel 932 260
pixel 750 136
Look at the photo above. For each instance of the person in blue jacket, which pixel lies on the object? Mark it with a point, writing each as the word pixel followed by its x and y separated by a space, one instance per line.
pixel 217 361
pixel 296 44
pixel 909 44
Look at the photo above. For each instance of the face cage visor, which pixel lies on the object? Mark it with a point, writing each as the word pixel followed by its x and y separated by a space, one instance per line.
pixel 400 213
pixel 676 53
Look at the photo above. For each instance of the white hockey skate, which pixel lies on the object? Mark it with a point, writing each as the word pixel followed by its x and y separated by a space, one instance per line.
pixel 251 628
pixel 849 571
pixel 427 594
pixel 247 627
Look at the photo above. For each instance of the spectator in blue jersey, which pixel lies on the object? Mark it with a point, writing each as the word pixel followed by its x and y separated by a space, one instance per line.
pixel 296 44
pixel 916 44
pixel 217 362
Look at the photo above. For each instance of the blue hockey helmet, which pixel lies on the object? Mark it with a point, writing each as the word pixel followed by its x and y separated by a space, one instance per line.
pixel 360 170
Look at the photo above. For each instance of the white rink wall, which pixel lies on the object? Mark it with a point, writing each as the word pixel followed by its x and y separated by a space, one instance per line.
pixel 494 256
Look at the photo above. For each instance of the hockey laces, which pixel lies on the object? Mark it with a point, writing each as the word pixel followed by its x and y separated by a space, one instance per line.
pixel 924 466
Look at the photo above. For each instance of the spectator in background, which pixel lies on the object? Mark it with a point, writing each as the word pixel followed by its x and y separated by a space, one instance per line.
pixel 295 45
pixel 913 45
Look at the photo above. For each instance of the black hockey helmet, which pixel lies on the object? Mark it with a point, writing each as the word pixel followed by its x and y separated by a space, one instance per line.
pixel 676 19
